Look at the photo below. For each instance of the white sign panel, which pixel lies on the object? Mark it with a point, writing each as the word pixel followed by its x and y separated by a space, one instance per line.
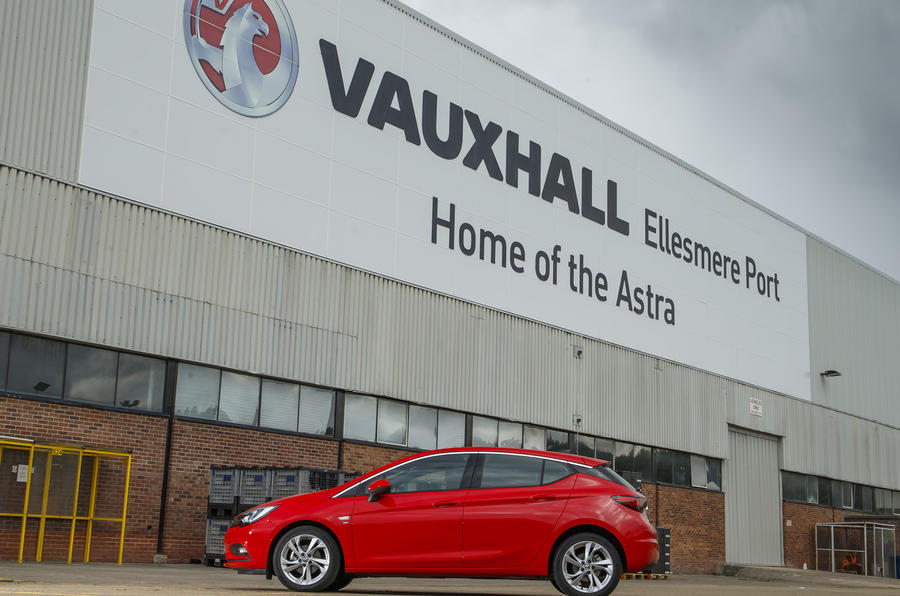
pixel 356 132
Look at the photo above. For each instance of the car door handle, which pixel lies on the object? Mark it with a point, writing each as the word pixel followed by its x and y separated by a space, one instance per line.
pixel 544 497
pixel 444 504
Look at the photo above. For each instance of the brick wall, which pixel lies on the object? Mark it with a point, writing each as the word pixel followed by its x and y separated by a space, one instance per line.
pixel 364 458
pixel 197 447
pixel 144 436
pixel 697 520
pixel 799 541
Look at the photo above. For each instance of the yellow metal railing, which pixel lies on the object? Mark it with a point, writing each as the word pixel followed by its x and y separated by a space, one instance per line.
pixel 51 451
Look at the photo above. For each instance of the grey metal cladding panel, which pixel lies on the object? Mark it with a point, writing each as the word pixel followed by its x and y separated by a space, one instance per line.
pixel 44 47
pixel 818 440
pixel 854 327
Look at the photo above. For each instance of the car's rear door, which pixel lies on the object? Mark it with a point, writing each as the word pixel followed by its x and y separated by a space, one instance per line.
pixel 512 508
pixel 418 524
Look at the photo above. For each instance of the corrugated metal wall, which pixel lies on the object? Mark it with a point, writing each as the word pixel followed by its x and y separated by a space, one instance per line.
pixel 44 47
pixel 854 327
pixel 752 500
pixel 85 266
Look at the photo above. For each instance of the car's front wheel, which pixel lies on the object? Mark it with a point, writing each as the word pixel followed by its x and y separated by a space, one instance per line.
pixel 307 559
pixel 586 564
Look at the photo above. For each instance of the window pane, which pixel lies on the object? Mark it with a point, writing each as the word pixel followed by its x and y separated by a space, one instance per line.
pixel 501 471
pixel 280 405
pixel 824 491
pixel 4 357
pixel 91 374
pixel 882 501
pixel 555 471
pixel 605 450
pixel 812 489
pixel 391 422
pixel 664 466
pixel 317 412
pixel 140 383
pixel 584 445
pixel 422 427
pixel 624 457
pixel 698 471
pixel 442 472
pixel 846 494
pixel 484 432
pixel 510 434
pixel 239 400
pixel 359 417
pixel 681 462
pixel 535 438
pixel 863 498
pixel 793 486
pixel 451 429
pixel 197 391
pixel 557 440
pixel 36 366
pixel 643 462
pixel 714 474
pixel 896 502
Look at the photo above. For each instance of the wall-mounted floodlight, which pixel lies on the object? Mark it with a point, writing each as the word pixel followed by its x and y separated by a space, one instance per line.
pixel 830 373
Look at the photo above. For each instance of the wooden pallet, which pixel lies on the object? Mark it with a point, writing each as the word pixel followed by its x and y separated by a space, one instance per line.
pixel 645 576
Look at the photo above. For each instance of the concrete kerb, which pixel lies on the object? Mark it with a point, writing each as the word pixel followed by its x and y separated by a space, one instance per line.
pixel 807 576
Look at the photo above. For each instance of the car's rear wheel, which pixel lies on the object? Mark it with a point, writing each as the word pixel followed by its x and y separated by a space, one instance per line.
pixel 307 559
pixel 586 563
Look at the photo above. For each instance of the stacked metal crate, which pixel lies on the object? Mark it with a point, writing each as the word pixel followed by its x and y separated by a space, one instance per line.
pixel 234 490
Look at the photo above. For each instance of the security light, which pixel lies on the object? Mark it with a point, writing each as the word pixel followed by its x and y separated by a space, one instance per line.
pixel 830 373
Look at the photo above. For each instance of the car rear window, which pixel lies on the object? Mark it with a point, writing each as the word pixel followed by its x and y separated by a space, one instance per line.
pixel 607 474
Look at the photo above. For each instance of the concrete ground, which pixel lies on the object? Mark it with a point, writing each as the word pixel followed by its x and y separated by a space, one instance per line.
pixel 98 579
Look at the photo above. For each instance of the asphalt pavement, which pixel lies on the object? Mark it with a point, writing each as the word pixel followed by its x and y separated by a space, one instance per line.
pixel 99 579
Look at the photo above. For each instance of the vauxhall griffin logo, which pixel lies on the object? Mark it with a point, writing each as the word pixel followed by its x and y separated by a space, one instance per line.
pixel 244 51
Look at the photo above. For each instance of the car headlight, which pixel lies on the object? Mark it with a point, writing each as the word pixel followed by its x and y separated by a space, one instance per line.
pixel 253 516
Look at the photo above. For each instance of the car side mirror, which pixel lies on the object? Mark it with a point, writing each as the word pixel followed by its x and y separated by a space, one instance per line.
pixel 378 488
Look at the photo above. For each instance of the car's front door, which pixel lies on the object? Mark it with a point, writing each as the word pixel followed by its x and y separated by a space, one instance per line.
pixel 418 523
pixel 512 508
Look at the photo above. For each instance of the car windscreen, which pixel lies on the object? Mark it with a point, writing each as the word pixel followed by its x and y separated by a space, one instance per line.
pixel 607 474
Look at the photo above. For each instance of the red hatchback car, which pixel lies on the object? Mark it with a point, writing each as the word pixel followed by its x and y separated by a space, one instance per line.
pixel 465 512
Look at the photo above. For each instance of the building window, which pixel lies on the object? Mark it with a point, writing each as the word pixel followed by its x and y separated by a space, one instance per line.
pixel 698 471
pixel 793 486
pixel 604 449
pixel 896 502
pixel 279 405
pixel 846 494
pixel 316 411
pixel 239 398
pixel 36 366
pixel 664 472
pixel 862 498
pixel 91 375
pixel 812 489
pixel 140 383
pixel 197 391
pixel 643 463
pixel 423 427
pixel 584 445
pixel 510 434
pixel 624 461
pixel 534 438
pixel 360 414
pixel 557 440
pixel 4 358
pixel 392 422
pixel 824 492
pixel 451 429
pixel 484 432
pixel 883 501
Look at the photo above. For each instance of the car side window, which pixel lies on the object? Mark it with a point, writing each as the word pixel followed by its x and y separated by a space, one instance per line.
pixel 555 471
pixel 441 472
pixel 507 471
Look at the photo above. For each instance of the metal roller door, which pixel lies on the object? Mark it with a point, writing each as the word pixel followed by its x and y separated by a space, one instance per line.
pixel 752 500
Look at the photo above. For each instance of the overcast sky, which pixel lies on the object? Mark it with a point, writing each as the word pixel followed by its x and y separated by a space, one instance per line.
pixel 795 104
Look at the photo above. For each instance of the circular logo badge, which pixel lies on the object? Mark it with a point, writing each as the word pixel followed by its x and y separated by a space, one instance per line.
pixel 244 51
